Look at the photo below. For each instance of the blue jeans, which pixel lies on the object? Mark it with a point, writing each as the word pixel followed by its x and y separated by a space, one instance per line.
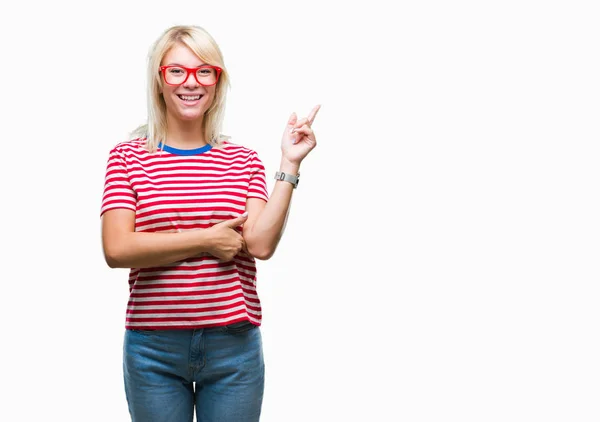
pixel 219 370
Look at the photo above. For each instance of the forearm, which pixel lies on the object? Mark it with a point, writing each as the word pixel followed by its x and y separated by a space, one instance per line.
pixel 144 250
pixel 264 236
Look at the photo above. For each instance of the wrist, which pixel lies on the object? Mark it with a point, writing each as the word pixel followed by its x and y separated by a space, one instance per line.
pixel 204 240
pixel 289 167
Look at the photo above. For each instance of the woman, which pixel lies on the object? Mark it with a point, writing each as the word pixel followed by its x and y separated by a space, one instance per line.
pixel 188 212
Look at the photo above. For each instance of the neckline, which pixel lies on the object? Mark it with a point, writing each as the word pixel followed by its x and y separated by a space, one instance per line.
pixel 178 151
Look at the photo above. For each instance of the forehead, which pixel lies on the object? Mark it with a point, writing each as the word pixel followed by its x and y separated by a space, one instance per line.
pixel 182 55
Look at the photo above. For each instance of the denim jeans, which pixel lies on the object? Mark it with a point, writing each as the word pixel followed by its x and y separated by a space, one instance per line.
pixel 219 370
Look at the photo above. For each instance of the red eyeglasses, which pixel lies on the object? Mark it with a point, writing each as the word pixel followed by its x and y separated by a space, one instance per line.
pixel 205 75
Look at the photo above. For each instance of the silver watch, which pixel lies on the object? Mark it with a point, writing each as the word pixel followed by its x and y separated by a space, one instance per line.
pixel 288 178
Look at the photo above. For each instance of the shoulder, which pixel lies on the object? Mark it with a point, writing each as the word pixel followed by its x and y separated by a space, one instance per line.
pixel 235 150
pixel 133 147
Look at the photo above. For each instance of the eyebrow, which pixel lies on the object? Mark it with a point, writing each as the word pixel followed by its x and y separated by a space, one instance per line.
pixel 180 65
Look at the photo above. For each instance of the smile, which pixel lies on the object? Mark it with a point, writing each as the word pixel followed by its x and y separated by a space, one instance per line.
pixel 190 97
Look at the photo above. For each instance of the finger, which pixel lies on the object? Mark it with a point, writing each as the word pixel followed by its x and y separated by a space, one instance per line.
pixel 299 124
pixel 233 223
pixel 293 119
pixel 302 122
pixel 313 113
pixel 305 130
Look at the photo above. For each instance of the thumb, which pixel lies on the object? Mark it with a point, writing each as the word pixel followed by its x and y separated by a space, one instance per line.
pixel 233 223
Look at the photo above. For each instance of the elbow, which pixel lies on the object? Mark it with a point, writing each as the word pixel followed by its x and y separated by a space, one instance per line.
pixel 261 247
pixel 264 256
pixel 262 253
pixel 111 257
pixel 111 261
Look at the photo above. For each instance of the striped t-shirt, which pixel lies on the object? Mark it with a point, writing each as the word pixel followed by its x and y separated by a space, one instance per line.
pixel 175 190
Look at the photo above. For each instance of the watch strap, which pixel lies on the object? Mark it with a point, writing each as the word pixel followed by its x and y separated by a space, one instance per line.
pixel 286 177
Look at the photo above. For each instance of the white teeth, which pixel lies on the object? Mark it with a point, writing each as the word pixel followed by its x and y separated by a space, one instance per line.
pixel 190 98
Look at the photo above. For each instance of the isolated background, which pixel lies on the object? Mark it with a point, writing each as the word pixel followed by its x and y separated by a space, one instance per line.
pixel 441 257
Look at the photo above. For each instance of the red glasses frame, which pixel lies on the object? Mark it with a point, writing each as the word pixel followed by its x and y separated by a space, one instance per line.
pixel 190 71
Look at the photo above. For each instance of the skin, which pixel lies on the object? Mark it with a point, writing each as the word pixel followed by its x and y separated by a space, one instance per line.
pixel 266 221
pixel 263 222
pixel 184 122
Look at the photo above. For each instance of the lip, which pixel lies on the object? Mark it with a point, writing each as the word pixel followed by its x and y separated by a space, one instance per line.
pixel 190 103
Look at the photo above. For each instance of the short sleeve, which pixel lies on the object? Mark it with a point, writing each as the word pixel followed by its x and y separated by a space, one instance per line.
pixel 258 180
pixel 118 192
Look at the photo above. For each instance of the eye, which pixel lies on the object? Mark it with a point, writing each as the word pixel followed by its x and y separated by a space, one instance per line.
pixel 175 70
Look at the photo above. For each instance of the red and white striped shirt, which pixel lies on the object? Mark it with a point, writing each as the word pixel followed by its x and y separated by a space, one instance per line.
pixel 175 190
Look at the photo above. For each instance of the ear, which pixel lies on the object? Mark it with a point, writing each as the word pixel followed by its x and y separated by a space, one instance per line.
pixel 159 81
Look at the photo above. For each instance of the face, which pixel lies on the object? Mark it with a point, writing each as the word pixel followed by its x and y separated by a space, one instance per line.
pixel 182 101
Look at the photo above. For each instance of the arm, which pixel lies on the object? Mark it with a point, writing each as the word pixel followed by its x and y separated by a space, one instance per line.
pixel 125 248
pixel 266 221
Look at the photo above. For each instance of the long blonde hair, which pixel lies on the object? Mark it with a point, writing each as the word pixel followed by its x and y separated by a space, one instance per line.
pixel 205 47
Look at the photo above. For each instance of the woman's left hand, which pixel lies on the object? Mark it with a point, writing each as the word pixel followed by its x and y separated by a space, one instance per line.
pixel 298 138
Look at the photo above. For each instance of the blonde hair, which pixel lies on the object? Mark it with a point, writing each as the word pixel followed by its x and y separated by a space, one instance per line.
pixel 205 47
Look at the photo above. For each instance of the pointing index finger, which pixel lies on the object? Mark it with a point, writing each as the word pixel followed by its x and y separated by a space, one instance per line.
pixel 313 113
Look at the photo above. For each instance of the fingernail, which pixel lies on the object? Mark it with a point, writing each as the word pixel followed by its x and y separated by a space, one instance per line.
pixel 245 214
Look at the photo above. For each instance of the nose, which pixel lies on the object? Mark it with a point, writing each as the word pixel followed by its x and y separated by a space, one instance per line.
pixel 190 81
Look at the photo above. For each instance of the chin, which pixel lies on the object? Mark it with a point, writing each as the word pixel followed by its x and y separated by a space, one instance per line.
pixel 189 115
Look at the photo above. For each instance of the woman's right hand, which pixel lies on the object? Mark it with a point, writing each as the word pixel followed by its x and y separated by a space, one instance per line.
pixel 298 137
pixel 225 241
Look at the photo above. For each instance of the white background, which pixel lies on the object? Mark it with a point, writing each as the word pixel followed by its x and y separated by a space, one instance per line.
pixel 441 257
